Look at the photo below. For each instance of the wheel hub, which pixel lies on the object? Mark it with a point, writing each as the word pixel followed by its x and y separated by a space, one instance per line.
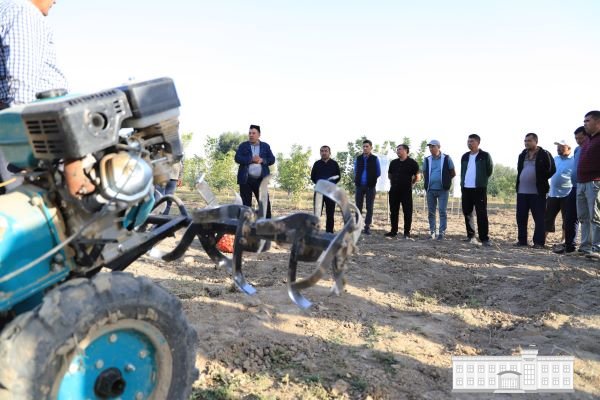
pixel 110 383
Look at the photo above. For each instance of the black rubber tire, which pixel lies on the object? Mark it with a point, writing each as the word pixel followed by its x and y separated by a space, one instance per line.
pixel 37 345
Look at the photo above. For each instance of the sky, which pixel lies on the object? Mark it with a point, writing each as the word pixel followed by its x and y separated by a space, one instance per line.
pixel 328 72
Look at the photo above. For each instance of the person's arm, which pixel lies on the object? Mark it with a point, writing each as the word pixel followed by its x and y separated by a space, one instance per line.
pixel 451 167
pixel 269 157
pixel 378 167
pixel 243 155
pixel 337 172
pixel 417 176
pixel 23 55
pixel 552 167
pixel 313 173
pixel 490 165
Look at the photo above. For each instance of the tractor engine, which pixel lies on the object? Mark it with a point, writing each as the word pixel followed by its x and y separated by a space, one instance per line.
pixel 122 141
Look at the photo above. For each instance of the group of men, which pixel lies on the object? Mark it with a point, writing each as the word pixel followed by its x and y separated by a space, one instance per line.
pixel 545 186
pixel 568 184
pixel 438 171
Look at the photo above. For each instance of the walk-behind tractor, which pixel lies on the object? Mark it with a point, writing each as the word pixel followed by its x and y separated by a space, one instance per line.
pixel 87 167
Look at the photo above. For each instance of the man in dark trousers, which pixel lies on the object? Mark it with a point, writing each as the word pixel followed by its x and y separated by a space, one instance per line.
pixel 571 222
pixel 438 172
pixel 403 173
pixel 534 167
pixel 328 169
pixel 476 167
pixel 254 158
pixel 366 172
pixel 588 187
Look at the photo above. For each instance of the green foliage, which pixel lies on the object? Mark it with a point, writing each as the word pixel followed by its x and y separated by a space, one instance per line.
pixel 420 153
pixel 193 167
pixel 293 172
pixel 502 182
pixel 219 167
pixel 230 141
pixel 186 139
pixel 388 145
pixel 420 186
pixel 221 173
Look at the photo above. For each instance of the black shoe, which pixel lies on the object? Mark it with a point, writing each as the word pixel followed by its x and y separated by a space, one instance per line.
pixel 366 231
pixel 538 246
pixel 563 250
pixel 391 234
pixel 519 244
pixel 486 243
pixel 471 240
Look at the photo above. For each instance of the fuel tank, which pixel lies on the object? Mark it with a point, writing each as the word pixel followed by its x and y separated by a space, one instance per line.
pixel 29 229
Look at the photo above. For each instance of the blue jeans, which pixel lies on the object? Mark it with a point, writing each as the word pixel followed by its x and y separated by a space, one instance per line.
pixel 169 188
pixel 369 193
pixel 588 212
pixel 435 197
pixel 537 205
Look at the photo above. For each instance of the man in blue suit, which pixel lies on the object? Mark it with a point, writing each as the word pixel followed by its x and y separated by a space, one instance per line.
pixel 254 158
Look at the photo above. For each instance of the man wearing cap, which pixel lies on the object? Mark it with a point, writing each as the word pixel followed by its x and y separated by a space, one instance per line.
pixel 438 171
pixel 366 172
pixel 560 189
pixel 254 158
pixel 572 223
pixel 588 187
pixel 534 167
pixel 476 167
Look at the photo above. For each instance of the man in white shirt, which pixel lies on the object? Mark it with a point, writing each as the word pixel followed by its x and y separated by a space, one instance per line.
pixel 476 168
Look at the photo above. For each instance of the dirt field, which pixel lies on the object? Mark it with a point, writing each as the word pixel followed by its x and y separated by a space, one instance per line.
pixel 409 306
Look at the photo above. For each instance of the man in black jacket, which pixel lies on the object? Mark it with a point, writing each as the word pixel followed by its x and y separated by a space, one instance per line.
pixel 403 173
pixel 328 169
pixel 366 172
pixel 534 168
pixel 476 167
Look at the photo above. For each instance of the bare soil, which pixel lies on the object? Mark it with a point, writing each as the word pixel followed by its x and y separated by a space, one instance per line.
pixel 408 307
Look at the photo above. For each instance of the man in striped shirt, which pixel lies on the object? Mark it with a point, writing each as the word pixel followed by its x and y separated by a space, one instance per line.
pixel 27 56
pixel 27 53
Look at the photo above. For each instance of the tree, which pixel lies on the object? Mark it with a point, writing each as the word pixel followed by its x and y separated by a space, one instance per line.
pixel 193 167
pixel 221 173
pixel 420 153
pixel 419 157
pixel 502 182
pixel 219 167
pixel 230 141
pixel 220 170
pixel 293 172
